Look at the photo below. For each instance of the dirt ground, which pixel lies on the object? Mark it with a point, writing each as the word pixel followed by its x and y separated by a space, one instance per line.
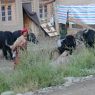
pixel 5 65
pixel 82 88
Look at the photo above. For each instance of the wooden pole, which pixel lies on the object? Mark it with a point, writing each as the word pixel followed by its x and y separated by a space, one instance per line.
pixel 79 22
pixel 67 22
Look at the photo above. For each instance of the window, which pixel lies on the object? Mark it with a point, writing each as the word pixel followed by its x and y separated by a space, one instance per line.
pixel 10 1
pixel 6 13
pixel 3 13
pixel 43 11
pixel 6 10
pixel 9 13
pixel 2 1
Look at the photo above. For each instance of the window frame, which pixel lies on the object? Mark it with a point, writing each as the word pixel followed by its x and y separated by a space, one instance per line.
pixel 10 13
pixel 44 13
pixel 8 17
pixel 3 17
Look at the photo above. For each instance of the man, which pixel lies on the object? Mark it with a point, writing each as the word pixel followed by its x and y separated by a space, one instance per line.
pixel 20 43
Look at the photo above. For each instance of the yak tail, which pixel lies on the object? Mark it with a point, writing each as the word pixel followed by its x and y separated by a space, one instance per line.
pixel 6 43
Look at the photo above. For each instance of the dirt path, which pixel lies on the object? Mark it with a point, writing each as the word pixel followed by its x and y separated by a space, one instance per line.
pixel 84 88
pixel 5 65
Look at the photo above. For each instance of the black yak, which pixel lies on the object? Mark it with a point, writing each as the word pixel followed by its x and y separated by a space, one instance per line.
pixel 68 43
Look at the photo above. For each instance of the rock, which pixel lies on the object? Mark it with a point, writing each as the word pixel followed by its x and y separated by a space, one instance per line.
pixel 69 79
pixel 28 93
pixel 19 94
pixel 67 84
pixel 76 80
pixel 89 77
pixel 8 93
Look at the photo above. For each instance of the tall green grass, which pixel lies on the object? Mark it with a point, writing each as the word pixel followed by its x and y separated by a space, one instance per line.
pixel 80 64
pixel 35 71
pixel 3 84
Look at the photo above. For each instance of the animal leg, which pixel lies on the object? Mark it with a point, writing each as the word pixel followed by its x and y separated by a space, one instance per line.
pixel 5 52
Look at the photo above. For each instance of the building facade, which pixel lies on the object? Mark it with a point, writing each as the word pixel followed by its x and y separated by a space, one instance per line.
pixel 14 15
pixel 10 15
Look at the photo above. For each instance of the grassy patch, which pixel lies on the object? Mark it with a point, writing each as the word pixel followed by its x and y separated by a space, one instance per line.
pixel 80 64
pixel 35 71
pixel 3 84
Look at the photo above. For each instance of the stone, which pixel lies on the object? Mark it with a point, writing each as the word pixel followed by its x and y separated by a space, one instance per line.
pixel 8 93
pixel 19 94
pixel 28 93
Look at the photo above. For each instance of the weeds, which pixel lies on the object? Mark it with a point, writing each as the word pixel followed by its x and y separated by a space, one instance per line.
pixel 35 71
